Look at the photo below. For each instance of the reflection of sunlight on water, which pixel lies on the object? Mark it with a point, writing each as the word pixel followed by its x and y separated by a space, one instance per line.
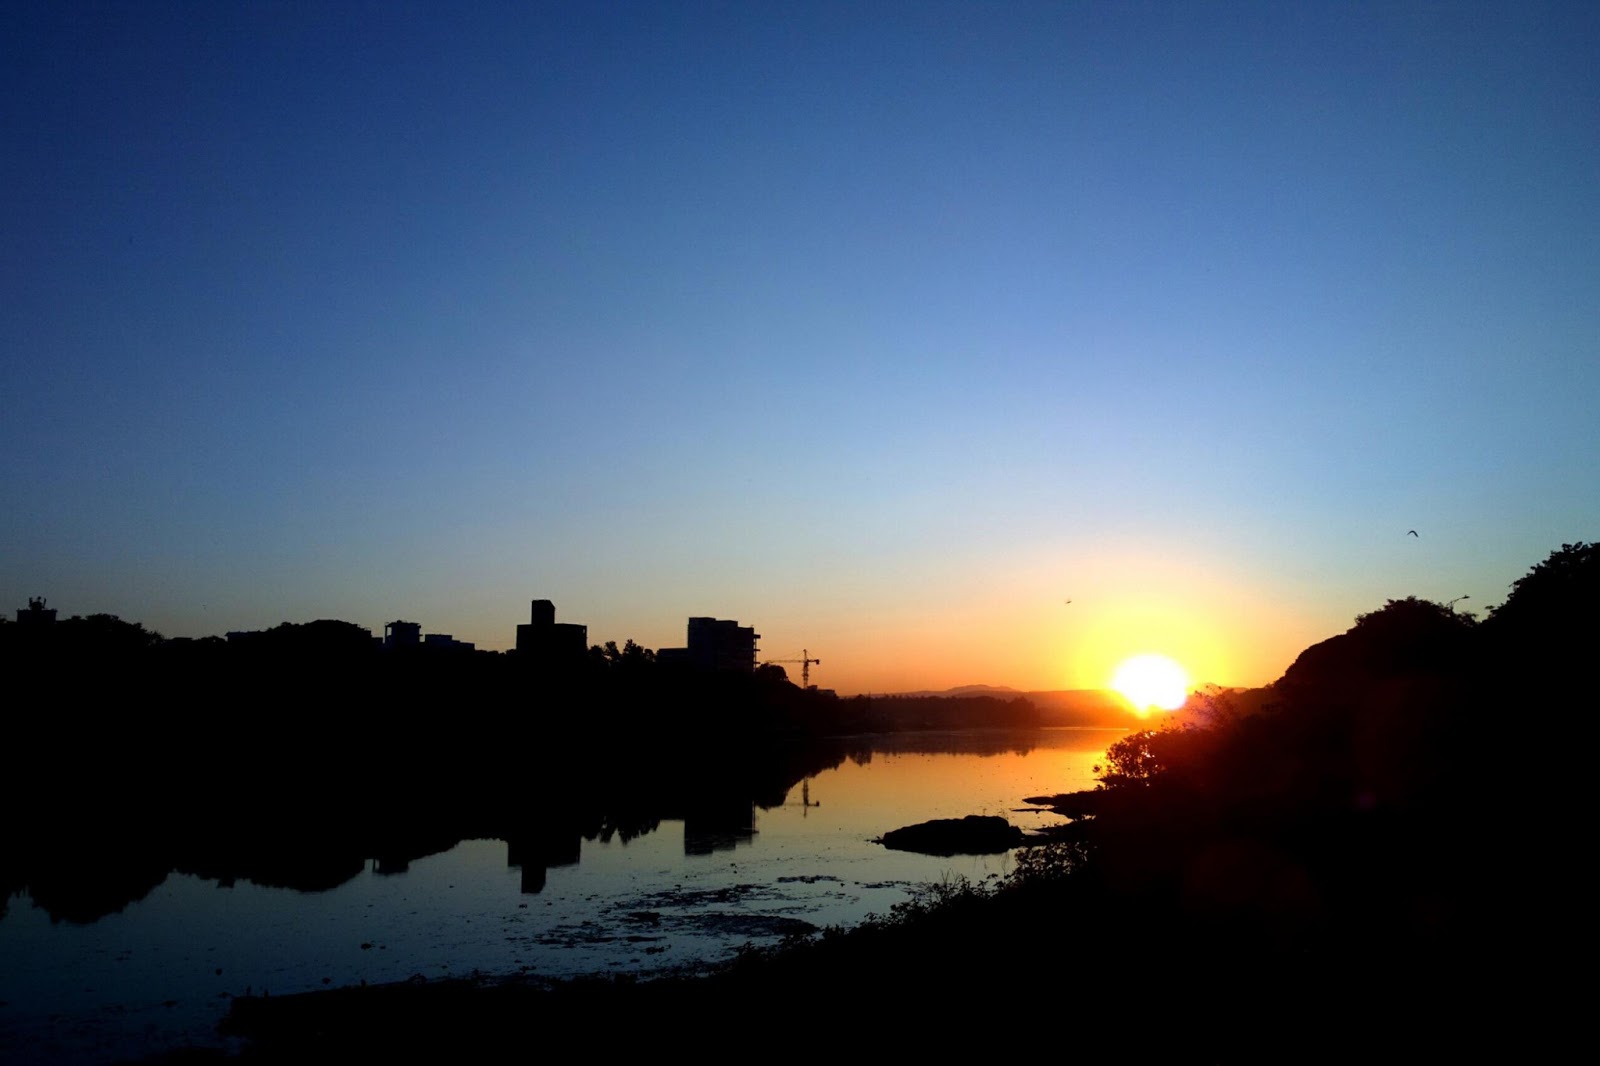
pixel 904 787
pixel 623 907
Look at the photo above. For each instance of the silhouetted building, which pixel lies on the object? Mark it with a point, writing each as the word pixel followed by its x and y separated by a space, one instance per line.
pixel 36 614
pixel 548 643
pixel 543 613
pixel 445 642
pixel 716 644
pixel 398 634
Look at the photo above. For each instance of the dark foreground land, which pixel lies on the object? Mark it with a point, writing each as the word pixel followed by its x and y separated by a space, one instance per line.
pixel 988 983
pixel 1352 869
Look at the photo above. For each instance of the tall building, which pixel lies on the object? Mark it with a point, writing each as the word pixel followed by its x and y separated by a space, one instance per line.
pixel 36 614
pixel 398 634
pixel 716 644
pixel 548 643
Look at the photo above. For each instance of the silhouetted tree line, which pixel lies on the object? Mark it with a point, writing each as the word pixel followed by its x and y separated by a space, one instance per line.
pixel 893 714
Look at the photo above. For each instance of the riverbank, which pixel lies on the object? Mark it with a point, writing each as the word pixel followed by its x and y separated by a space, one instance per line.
pixel 962 970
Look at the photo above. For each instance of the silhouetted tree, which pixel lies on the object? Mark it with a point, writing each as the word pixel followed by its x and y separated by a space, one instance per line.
pixel 1551 611
pixel 1138 759
pixel 106 633
pixel 632 656
pixel 772 674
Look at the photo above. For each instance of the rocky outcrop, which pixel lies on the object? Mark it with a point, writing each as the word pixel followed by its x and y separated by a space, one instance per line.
pixel 973 835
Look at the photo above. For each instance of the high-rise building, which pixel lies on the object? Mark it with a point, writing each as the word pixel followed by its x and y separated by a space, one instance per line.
pixel 398 634
pixel 36 614
pixel 548 643
pixel 716 644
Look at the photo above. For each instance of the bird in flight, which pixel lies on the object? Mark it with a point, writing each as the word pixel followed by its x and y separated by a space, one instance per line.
pixel 1413 533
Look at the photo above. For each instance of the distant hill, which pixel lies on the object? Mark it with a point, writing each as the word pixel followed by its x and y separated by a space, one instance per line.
pixel 1079 706
pixel 1086 706
pixel 998 691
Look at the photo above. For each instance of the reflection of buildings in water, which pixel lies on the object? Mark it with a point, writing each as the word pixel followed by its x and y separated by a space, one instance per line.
pixel 536 852
pixel 720 828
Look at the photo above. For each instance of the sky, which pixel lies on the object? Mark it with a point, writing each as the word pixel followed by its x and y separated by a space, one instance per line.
pixel 885 328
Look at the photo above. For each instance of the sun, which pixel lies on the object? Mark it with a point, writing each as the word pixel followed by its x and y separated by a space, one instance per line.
pixel 1151 681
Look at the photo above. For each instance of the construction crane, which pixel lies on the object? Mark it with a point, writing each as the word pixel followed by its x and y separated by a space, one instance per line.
pixel 805 662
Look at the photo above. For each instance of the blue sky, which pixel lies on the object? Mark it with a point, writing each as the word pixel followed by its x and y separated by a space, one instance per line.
pixel 884 328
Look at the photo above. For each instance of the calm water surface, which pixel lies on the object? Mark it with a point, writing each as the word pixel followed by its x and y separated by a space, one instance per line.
pixel 162 972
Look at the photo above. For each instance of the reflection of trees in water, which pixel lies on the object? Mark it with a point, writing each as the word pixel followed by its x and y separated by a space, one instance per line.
pixel 984 743
pixel 322 827
pixel 85 886
pixel 319 827
pixel 623 826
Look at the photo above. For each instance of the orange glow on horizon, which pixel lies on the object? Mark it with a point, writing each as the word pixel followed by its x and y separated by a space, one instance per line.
pixel 1051 618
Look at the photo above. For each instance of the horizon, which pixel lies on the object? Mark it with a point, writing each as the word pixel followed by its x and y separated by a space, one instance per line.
pixel 941 341
pixel 1110 688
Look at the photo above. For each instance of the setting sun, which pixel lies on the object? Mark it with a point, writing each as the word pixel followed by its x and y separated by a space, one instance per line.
pixel 1151 681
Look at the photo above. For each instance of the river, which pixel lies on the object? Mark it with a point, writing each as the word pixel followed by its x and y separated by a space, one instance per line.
pixel 160 973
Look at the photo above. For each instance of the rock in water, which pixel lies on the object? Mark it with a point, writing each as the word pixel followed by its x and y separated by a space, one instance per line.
pixel 973 835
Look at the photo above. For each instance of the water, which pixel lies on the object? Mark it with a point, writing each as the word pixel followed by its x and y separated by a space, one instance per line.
pixel 162 972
